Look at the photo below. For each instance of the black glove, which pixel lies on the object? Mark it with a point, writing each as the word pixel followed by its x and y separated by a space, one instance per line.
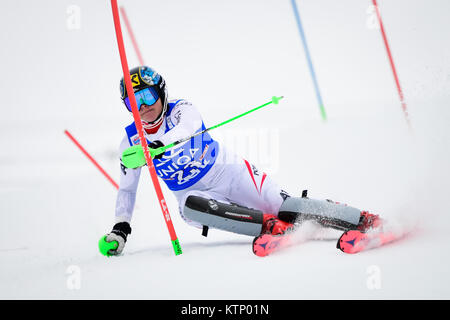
pixel 155 145
pixel 119 233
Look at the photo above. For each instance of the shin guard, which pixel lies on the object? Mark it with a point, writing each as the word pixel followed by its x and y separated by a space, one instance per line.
pixel 228 217
pixel 327 213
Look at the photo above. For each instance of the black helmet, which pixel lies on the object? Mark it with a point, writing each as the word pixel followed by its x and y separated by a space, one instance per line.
pixel 145 77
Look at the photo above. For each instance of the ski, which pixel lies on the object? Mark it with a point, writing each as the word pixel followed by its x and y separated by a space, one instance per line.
pixel 354 241
pixel 265 244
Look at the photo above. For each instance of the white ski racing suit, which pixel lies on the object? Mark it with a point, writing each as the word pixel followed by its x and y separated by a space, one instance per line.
pixel 201 167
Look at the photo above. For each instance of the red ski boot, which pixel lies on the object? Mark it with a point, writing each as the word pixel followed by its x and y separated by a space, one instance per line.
pixel 273 225
pixel 353 241
pixel 274 235
pixel 368 221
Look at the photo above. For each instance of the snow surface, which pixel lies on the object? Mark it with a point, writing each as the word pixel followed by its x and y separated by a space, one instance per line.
pixel 226 57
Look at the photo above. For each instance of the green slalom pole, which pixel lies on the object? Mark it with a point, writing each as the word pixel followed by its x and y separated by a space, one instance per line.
pixel 133 157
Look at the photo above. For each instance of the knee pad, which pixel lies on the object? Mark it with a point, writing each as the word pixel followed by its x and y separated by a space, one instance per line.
pixel 223 216
pixel 327 213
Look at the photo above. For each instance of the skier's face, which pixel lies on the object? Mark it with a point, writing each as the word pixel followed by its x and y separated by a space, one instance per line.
pixel 151 113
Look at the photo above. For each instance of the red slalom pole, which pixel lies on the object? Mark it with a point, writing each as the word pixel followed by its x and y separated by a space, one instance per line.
pixel 391 61
pixel 130 32
pixel 138 124
pixel 92 159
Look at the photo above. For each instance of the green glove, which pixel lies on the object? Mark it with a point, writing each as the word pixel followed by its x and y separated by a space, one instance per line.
pixel 133 157
pixel 113 243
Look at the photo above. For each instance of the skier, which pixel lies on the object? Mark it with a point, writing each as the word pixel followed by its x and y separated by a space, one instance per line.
pixel 215 188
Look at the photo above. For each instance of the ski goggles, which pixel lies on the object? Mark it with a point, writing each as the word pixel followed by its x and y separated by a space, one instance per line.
pixel 147 96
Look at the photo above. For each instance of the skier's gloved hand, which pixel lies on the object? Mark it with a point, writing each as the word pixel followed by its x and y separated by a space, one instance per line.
pixel 155 145
pixel 119 233
pixel 133 157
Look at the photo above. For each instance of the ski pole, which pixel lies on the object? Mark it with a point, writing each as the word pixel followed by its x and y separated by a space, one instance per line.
pixel 138 123
pixel 133 157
